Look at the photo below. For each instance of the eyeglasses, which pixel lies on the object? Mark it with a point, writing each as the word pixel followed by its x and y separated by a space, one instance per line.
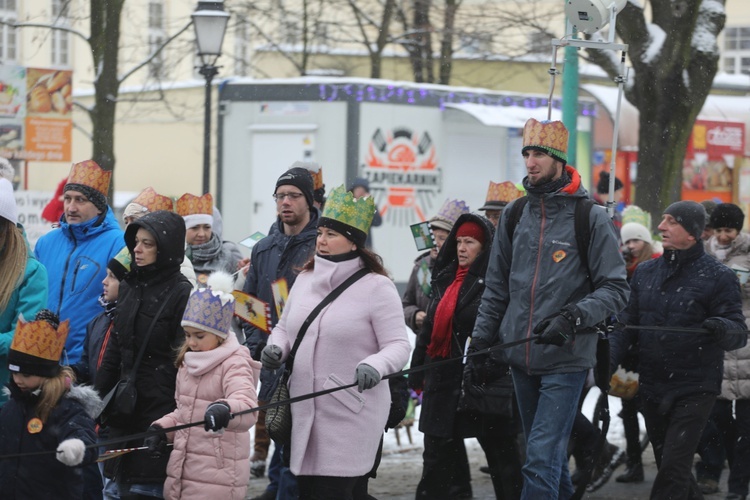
pixel 291 196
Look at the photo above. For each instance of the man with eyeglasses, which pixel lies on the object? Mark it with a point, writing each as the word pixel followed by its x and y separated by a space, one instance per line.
pixel 289 244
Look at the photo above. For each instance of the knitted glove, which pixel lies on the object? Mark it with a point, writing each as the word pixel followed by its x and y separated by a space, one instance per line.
pixel 366 376
pixel 156 444
pixel 556 329
pixel 217 416
pixel 70 452
pixel 271 357
pixel 717 328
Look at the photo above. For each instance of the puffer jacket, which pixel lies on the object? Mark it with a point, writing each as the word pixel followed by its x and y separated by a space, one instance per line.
pixel 29 296
pixel 142 293
pixel 76 257
pixel 209 464
pixel 442 385
pixel 682 288
pixel 539 272
pixel 736 381
pixel 42 476
pixel 414 298
pixel 274 257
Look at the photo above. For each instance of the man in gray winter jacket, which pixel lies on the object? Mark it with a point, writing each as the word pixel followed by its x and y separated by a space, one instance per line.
pixel 537 287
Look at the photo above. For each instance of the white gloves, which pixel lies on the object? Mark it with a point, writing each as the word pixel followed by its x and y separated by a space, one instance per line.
pixel 71 451
pixel 271 357
pixel 366 376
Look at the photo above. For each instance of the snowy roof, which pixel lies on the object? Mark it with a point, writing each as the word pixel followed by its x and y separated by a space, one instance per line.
pixel 504 116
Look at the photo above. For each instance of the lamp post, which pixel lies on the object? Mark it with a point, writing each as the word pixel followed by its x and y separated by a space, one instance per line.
pixel 210 22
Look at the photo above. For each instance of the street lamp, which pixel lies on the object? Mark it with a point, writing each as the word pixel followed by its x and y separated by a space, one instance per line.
pixel 210 22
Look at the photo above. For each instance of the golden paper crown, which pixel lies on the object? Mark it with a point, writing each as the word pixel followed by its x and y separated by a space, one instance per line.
pixel 40 339
pixel 341 206
pixel 502 193
pixel 89 173
pixel 153 201
pixel 317 178
pixel 189 204
pixel 551 137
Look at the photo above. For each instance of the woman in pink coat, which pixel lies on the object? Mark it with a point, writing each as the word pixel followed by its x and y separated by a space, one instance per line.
pixel 359 337
pixel 215 381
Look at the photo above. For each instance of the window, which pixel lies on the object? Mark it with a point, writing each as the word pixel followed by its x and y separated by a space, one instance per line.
pixel 156 38
pixel 8 34
pixel 476 43
pixel 60 39
pixel 539 43
pixel 241 49
pixel 155 15
pixel 736 52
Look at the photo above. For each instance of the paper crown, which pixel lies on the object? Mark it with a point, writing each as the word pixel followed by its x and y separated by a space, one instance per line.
pixel 635 213
pixel 500 194
pixel 37 347
pixel 89 173
pixel 448 214
pixel 120 263
pixel 357 214
pixel 195 209
pixel 317 174
pixel 551 137
pixel 210 309
pixel 153 201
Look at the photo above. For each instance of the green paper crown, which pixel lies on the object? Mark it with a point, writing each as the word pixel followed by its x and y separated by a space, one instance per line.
pixel 124 258
pixel 341 206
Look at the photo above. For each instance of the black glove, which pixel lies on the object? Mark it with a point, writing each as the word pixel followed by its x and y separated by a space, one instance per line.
pixel 717 328
pixel 556 329
pixel 217 416
pixel 258 350
pixel 157 444
pixel 475 368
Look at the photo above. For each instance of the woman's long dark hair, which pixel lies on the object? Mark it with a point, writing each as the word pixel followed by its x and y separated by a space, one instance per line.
pixel 371 260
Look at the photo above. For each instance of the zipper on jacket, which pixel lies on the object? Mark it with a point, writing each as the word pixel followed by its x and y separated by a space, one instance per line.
pixel 104 345
pixel 533 287
pixel 65 273
pixel 75 276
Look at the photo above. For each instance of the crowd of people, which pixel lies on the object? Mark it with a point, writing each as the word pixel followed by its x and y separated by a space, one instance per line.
pixel 129 374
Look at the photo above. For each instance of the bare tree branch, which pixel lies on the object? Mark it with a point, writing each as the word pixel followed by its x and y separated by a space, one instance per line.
pixel 154 54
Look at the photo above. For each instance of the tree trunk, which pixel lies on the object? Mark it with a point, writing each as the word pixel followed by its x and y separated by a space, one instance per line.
pixel 446 44
pixel 422 54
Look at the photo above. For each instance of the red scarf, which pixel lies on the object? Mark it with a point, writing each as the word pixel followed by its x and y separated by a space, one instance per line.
pixel 442 325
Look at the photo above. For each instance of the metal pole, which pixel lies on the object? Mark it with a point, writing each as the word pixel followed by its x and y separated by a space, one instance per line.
pixel 209 72
pixel 570 98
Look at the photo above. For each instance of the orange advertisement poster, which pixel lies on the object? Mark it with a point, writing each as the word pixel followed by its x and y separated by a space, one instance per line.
pixel 49 92
pixel 48 139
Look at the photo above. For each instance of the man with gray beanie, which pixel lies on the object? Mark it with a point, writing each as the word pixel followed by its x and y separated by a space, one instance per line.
pixel 681 369
pixel 289 244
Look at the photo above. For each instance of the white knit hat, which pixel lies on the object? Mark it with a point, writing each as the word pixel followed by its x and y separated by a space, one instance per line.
pixel 635 231
pixel 8 208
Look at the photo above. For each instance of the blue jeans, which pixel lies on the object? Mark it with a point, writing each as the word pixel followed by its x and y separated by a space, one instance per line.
pixel 548 405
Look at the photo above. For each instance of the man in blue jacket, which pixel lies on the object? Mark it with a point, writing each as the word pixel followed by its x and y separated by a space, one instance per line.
pixel 680 371
pixel 538 287
pixel 76 253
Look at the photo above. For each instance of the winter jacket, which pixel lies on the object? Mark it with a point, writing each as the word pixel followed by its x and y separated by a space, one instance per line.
pixel 682 288
pixel 42 476
pixel 206 465
pixel 274 257
pixel 539 272
pixel 76 257
pixel 142 293
pixel 442 385
pixel 736 382
pixel 338 434
pixel 98 336
pixel 27 299
pixel 414 299
pixel 214 255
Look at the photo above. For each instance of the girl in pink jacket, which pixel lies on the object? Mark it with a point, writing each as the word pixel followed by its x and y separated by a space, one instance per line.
pixel 215 381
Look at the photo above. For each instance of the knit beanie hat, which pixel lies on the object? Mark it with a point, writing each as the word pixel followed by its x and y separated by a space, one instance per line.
pixel 690 215
pixel 301 179
pixel 120 263
pixel 635 231
pixel 37 345
pixel 548 137
pixel 472 230
pixel 710 206
pixel 89 179
pixel 727 215
pixel 211 309
pixel 8 208
pixel 602 187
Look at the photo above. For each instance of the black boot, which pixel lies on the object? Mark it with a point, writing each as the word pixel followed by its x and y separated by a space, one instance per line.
pixel 633 474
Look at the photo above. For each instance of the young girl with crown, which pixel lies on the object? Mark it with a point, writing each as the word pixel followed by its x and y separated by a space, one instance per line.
pixel 215 380
pixel 45 413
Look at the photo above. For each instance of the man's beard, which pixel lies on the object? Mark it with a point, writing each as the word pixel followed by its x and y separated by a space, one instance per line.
pixel 544 180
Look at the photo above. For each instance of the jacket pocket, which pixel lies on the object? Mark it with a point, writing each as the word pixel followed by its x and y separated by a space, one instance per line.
pixel 347 397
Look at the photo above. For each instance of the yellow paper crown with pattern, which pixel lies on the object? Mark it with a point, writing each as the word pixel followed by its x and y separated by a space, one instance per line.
pixel 189 204
pixel 153 201
pixel 500 194
pixel 89 173
pixel 37 347
pixel 550 137
pixel 348 213
pixel 317 175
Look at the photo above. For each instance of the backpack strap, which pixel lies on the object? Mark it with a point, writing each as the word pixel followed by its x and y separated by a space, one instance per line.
pixel 583 233
pixel 514 215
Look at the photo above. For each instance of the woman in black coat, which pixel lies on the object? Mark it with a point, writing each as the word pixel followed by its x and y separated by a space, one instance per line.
pixel 154 285
pixel 457 286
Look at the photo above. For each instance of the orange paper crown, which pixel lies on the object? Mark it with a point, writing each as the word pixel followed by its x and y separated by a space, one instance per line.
pixel 551 137
pixel 154 201
pixel 89 173
pixel 189 204
pixel 317 178
pixel 502 193
pixel 40 339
